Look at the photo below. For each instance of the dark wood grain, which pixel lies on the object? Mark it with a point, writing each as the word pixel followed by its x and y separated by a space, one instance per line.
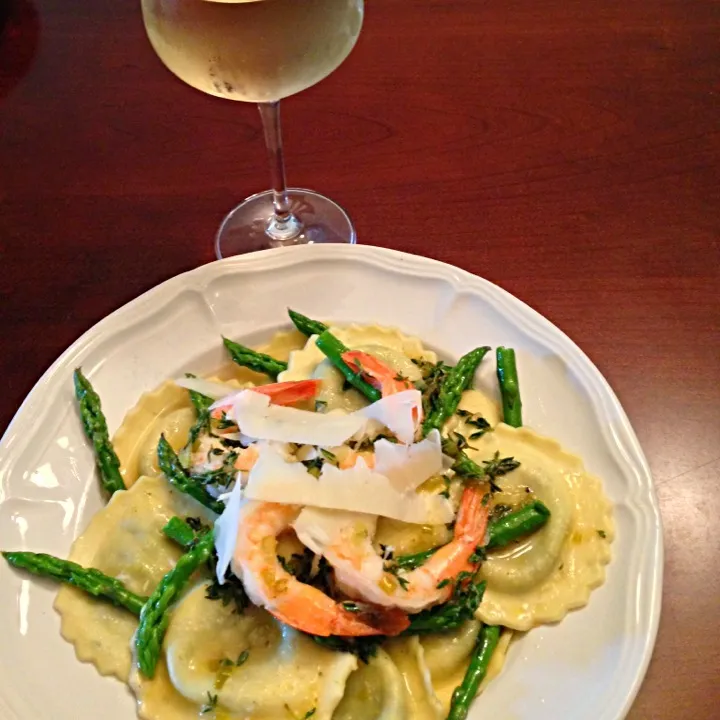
pixel 567 150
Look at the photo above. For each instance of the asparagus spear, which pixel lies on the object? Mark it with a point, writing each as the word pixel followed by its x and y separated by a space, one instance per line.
pixel 97 432
pixel 306 325
pixel 501 532
pixel 333 350
pixel 155 615
pixel 260 362
pixel 456 381
pixel 509 386
pixel 514 525
pixel 465 693
pixel 200 402
pixel 177 476
pixel 89 580
pixel 180 532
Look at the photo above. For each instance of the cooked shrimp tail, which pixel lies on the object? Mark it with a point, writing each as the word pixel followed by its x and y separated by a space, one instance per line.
pixel 297 604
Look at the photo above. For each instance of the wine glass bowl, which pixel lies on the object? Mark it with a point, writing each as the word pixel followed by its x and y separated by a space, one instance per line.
pixel 261 51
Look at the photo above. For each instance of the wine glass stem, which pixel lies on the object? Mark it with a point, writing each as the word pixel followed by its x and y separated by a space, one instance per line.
pixel 283 226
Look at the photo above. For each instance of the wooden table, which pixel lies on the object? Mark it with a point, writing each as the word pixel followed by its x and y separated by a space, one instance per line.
pixel 566 150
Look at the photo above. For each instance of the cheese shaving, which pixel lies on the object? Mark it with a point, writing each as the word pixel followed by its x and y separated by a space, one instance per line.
pixel 409 466
pixel 356 489
pixel 258 419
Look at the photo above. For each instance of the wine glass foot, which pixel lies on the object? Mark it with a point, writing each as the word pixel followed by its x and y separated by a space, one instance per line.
pixel 245 228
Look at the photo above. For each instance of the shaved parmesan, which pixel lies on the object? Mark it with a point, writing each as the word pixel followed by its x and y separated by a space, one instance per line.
pixel 356 489
pixel 257 418
pixel 318 528
pixel 409 466
pixel 399 413
pixel 226 530
pixel 209 388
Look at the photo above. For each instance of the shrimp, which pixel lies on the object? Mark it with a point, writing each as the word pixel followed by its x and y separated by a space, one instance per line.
pixel 295 603
pixel 284 393
pixel 376 372
pixel 361 572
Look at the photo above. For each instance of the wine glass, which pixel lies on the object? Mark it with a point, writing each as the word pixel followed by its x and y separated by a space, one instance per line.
pixel 261 51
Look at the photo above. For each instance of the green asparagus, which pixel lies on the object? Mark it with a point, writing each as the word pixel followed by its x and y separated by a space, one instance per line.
pixel 465 693
pixel 456 381
pixel 89 580
pixel 155 615
pixel 333 350
pixel 509 386
pixel 501 532
pixel 306 325
pixel 96 430
pixel 257 361
pixel 177 476
pixel 180 532
pixel 514 525
pixel 202 404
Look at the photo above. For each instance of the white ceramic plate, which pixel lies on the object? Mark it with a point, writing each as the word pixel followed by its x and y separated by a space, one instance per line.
pixel 589 666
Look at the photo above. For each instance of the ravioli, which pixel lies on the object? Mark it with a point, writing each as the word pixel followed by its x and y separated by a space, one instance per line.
pixel 375 691
pixel 408 656
pixel 166 410
pixel 286 674
pixel 447 656
pixel 124 540
pixel 542 578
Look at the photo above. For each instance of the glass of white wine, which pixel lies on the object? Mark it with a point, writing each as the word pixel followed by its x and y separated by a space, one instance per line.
pixel 261 51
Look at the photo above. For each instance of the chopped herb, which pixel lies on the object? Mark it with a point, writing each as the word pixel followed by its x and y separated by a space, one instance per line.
pixel 445 492
pixel 490 469
pixel 362 647
pixel 477 421
pixel 394 570
pixel 228 443
pixel 496 467
pixel 464 601
pixel 410 562
pixel 231 591
pixel 443 583
pixel 309 714
pixel 330 457
pixel 479 556
pixel 500 510
pixel 602 534
pixel 196 524
pixel 211 704
pixel 222 423
pixel 433 377
pixel 350 606
pixel 242 658
pixel 454 444
pixel 314 467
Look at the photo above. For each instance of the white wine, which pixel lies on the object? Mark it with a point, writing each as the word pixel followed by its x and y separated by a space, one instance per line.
pixel 252 50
